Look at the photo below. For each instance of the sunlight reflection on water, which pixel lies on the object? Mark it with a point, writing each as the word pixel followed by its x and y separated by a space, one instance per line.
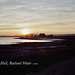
pixel 12 40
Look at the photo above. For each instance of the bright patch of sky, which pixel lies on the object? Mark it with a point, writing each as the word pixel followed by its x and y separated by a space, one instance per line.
pixel 17 14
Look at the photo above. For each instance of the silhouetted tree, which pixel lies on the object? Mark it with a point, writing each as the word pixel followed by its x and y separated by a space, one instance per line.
pixel 51 35
pixel 42 35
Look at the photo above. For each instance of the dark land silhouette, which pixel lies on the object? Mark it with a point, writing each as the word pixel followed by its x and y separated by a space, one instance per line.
pixel 43 53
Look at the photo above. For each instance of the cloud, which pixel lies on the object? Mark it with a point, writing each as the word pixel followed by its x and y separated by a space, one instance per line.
pixel 36 13
pixel 3 0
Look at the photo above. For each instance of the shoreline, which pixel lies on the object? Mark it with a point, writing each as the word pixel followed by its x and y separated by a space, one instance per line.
pixel 27 48
pixel 45 57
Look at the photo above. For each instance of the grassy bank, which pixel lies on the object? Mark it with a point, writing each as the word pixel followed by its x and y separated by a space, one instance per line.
pixel 44 60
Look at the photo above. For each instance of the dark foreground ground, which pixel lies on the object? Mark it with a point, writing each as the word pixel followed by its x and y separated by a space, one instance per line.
pixel 37 56
pixel 67 67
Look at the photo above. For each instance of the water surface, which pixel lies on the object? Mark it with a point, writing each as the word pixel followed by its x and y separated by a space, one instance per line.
pixel 13 40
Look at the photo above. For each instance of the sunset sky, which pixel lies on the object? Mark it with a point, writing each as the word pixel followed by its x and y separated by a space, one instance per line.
pixel 38 16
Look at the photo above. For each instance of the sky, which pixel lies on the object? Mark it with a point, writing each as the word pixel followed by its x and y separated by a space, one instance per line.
pixel 39 16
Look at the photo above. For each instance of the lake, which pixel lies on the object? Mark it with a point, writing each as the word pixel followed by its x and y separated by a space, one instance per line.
pixel 13 40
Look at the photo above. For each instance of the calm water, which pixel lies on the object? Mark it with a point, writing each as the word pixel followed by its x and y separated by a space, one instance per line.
pixel 12 40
